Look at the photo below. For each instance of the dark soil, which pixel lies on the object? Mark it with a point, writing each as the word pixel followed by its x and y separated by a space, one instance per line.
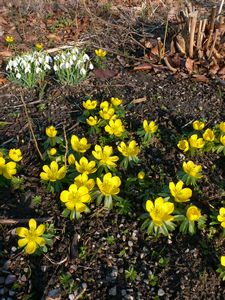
pixel 96 252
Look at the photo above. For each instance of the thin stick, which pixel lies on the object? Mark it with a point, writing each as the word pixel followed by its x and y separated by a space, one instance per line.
pixel 193 22
pixel 165 35
pixel 199 34
pixel 202 32
pixel 66 141
pixel 212 24
pixel 220 9
pixel 31 128
pixel 55 262
pixel 214 42
pixel 169 65
pixel 22 221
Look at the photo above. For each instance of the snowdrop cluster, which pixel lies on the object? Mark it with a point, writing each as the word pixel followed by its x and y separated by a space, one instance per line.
pixel 72 66
pixel 29 69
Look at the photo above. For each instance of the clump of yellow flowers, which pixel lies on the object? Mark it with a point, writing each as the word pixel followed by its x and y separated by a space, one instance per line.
pixel 8 164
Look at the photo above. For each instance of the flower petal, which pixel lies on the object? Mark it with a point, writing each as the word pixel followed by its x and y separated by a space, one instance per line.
pixel 31 247
pixel 32 224
pixel 22 231
pixel 40 230
pixel 22 242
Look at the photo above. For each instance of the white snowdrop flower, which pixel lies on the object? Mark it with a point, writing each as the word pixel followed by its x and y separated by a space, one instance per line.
pixel 91 67
pixel 67 65
pixel 55 68
pixel 47 67
pixel 18 75
pixel 74 57
pixel 83 71
pixel 63 57
pixel 27 70
pixel 86 57
pixel 38 70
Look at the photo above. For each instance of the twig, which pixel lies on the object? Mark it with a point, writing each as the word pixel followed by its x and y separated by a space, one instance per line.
pixel 220 9
pixel 214 43
pixel 199 34
pixel 66 141
pixel 174 70
pixel 165 35
pixel 31 128
pixel 193 22
pixel 202 32
pixel 212 24
pixel 81 294
pixel 55 262
pixel 21 221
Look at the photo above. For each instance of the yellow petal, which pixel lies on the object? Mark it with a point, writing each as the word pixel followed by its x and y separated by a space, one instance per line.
pixel 32 224
pixel 149 205
pixel 179 185
pixel 64 196
pixel 22 231
pixel 40 241
pixel 22 242
pixel 40 230
pixel 31 247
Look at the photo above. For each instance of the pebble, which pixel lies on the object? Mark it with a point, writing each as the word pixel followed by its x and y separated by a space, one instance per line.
pixel 2 280
pixel 13 249
pixel 130 243
pixel 43 268
pixel 84 286
pixel 161 292
pixel 54 293
pixel 26 270
pixel 2 291
pixel 10 279
pixel 11 293
pixel 23 278
pixel 134 235
pixel 123 292
pixel 71 297
pixel 113 291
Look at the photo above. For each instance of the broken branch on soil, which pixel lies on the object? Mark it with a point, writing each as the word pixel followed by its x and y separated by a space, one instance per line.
pixel 21 221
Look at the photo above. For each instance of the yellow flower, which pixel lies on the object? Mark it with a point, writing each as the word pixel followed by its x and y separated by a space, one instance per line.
pixel 196 142
pixel 222 260
pixel 116 101
pixel 208 135
pixel 53 173
pixel 52 151
pixel 84 166
pixel 221 216
pixel 75 198
pixel 104 156
pixel 141 175
pixel 180 194
pixel 92 121
pixel 192 169
pixel 32 237
pixel 90 104
pixel 198 125
pixel 115 127
pixel 51 131
pixel 9 39
pixel 79 145
pixel 39 46
pixel 150 128
pixel 222 139
pixel 193 213
pixel 82 180
pixel 110 185
pixel 106 113
pixel 100 52
pixel 71 159
pixel 132 150
pixel 222 127
pixel 15 154
pixel 183 145
pixel 7 170
pixel 160 211
pixel 105 104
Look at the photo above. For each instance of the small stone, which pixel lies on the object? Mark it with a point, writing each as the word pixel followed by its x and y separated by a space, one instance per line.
pixel 130 243
pixel 26 270
pixel 43 268
pixel 123 292
pixel 2 280
pixel 54 293
pixel 12 293
pixel 13 249
pixel 2 291
pixel 10 279
pixel 113 291
pixel 23 278
pixel 161 292
pixel 71 297
pixel 84 286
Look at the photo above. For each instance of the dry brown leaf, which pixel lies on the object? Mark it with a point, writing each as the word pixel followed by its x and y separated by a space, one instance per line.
pixel 54 37
pixel 139 100
pixel 175 60
pixel 155 51
pixel 221 71
pixel 172 48
pixel 104 74
pixel 189 64
pixel 3 81
pixel 6 53
pixel 180 44
pixel 201 78
pixel 143 67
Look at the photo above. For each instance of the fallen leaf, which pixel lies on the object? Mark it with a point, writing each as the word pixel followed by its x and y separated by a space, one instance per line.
pixel 6 53
pixel 139 100
pixel 155 51
pixel 3 81
pixel 53 37
pixel 189 64
pixel 175 60
pixel 221 71
pixel 104 74
pixel 201 78
pixel 180 44
pixel 143 67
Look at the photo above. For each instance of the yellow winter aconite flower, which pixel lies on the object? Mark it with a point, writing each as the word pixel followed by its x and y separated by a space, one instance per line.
pixel 51 131
pixel 221 216
pixel 79 145
pixel 39 46
pixel 150 127
pixel 107 113
pixel 208 135
pixel 130 150
pixel 83 180
pixel 116 101
pixel 71 159
pixel 183 145
pixel 75 198
pixel 104 156
pixel 160 211
pixel 109 186
pixel 105 105
pixel 32 237
pixel 84 166
pixel 198 125
pixel 115 127
pixel 222 139
pixel 53 173
pixel 100 52
pixel 92 121
pixel 90 104
pixel 222 127
pixel 141 175
pixel 193 213
pixel 192 169
pixel 15 154
pixel 52 151
pixel 222 260
pixel 9 39
pixel 196 142
pixel 7 170
pixel 180 194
